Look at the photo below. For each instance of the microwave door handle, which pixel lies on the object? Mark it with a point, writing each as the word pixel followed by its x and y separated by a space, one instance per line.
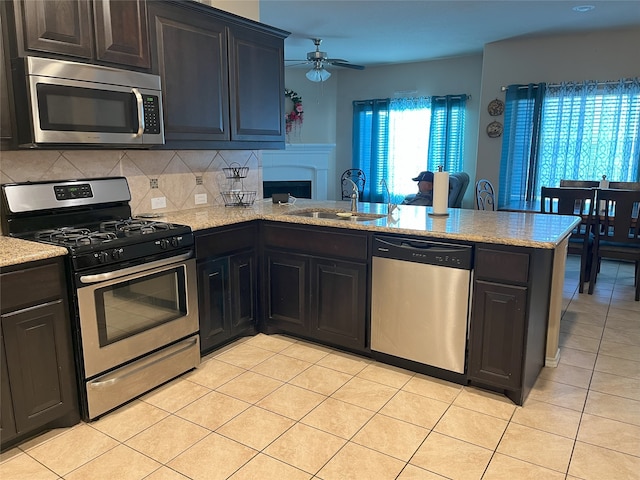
pixel 136 92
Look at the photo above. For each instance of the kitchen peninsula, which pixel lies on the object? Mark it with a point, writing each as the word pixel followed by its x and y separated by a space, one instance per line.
pixel 517 280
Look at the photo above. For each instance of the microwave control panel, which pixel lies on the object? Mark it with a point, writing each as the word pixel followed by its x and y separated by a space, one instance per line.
pixel 151 114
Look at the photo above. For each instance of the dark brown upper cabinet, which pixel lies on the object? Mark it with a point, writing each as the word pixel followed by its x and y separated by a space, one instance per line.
pixel 121 32
pixel 222 77
pixel 111 31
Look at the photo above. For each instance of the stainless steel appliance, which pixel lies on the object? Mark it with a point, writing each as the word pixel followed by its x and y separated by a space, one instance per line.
pixel 133 281
pixel 420 302
pixel 70 103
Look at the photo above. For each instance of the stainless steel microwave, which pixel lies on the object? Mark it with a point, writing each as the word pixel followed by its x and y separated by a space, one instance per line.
pixel 70 103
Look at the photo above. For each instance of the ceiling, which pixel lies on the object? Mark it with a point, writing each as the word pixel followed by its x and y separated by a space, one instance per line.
pixel 380 32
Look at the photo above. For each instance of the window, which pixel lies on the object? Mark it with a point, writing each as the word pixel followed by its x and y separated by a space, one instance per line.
pixel 395 139
pixel 577 131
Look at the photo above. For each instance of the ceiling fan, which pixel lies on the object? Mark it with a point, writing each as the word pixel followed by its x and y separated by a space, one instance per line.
pixel 318 60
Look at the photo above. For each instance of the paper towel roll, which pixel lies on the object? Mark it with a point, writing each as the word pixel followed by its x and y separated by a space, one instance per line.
pixel 440 193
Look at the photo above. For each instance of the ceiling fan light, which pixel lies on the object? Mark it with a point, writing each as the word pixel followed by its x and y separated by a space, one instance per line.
pixel 318 74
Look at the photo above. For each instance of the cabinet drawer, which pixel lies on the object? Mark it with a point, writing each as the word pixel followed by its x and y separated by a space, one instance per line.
pixel 501 265
pixel 326 242
pixel 31 286
pixel 225 241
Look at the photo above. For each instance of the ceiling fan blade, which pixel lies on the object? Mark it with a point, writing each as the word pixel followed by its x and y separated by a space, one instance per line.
pixel 347 65
pixel 300 62
pixel 336 60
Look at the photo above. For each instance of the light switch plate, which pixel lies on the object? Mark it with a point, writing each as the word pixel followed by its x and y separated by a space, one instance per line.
pixel 200 198
pixel 158 202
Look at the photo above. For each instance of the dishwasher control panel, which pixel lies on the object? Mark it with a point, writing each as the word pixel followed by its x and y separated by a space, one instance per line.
pixel 423 251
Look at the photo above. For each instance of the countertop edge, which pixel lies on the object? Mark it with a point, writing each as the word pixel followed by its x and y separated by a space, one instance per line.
pixel 14 251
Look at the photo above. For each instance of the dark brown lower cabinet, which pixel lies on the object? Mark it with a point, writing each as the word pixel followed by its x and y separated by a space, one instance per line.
pixel 287 292
pixel 227 284
pixel 38 374
pixel 227 290
pixel 498 325
pixel 315 284
pixel 338 300
pixel 509 316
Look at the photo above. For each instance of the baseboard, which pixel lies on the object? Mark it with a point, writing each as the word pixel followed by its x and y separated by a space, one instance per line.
pixel 552 361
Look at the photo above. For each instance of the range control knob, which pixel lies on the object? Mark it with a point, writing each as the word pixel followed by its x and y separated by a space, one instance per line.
pixel 164 244
pixel 174 241
pixel 116 254
pixel 103 257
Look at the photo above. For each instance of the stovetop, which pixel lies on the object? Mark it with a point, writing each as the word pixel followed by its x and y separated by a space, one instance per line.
pixel 131 230
pixel 92 218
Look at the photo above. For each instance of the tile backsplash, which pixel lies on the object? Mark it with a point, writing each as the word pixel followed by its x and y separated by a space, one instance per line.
pixel 177 175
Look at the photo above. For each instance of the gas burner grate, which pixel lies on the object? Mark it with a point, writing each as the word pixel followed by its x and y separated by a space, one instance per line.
pixel 134 226
pixel 72 236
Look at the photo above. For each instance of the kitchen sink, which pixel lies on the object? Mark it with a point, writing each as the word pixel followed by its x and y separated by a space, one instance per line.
pixel 339 215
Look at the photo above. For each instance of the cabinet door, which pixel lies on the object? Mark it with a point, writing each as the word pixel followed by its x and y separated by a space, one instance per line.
pixel 6 98
pixel 191 53
pixel 121 32
pixel 243 292
pixel 497 334
pixel 56 26
pixel 213 293
pixel 338 302
pixel 7 422
pixel 40 364
pixel 256 77
pixel 287 292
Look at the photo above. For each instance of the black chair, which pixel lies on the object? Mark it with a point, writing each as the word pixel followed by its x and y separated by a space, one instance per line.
pixel 579 202
pixel 485 196
pixel 580 183
pixel 358 177
pixel 617 233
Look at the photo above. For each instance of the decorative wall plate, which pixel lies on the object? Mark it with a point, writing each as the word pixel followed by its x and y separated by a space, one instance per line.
pixel 495 107
pixel 494 129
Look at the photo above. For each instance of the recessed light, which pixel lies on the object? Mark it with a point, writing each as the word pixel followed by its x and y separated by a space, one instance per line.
pixel 583 8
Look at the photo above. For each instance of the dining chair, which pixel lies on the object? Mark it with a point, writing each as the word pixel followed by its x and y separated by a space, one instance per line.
pixel 580 202
pixel 617 232
pixel 580 183
pixel 485 196
pixel 358 177
pixel 625 185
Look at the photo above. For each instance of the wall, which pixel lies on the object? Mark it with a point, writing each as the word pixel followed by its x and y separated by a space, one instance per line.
pixel 245 8
pixel 598 55
pixel 439 77
pixel 176 175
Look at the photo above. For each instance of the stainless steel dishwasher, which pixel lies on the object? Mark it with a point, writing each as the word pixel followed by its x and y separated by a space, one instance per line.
pixel 420 301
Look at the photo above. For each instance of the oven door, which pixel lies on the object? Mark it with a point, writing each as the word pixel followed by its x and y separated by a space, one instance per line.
pixel 125 314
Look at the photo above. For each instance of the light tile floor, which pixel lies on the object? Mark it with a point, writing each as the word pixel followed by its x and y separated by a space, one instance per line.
pixel 272 407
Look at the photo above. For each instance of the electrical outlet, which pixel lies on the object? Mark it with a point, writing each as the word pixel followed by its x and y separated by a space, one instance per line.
pixel 158 202
pixel 201 198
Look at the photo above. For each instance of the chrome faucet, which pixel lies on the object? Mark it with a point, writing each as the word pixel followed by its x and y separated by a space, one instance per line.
pixel 390 206
pixel 354 196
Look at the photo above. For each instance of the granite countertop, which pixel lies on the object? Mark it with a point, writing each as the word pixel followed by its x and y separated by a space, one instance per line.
pixel 505 228
pixel 14 251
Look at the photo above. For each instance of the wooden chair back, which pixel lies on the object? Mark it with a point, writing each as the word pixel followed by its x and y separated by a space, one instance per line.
pixel 579 183
pixel 624 185
pixel 618 231
pixel 579 202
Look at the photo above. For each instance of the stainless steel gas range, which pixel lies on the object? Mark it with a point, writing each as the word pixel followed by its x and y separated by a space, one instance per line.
pixel 133 283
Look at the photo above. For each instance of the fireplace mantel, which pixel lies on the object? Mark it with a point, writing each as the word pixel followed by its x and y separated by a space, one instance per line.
pixel 300 161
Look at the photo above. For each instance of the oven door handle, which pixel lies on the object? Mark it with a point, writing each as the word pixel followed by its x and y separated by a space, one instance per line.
pixel 121 374
pixel 102 277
